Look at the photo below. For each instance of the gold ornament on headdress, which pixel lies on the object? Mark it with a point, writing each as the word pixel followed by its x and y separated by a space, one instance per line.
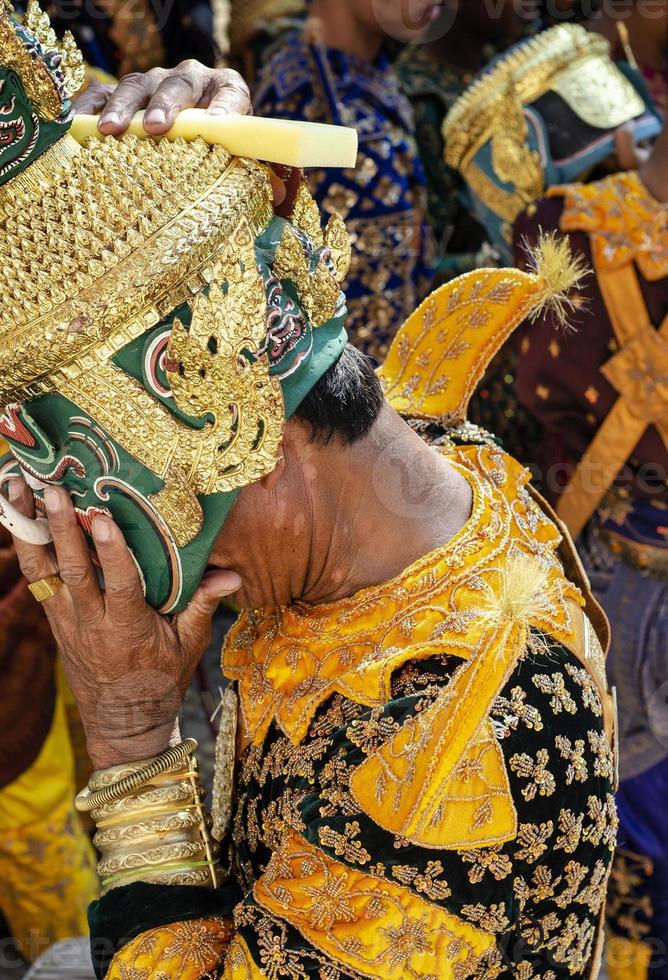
pixel 213 371
pixel 318 290
pixel 38 81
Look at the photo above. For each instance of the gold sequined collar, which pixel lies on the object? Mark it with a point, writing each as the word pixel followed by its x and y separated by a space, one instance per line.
pixel 625 223
pixel 289 660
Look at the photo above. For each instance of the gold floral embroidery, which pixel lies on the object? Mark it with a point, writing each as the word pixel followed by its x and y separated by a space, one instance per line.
pixel 345 845
pixel 509 712
pixel 560 698
pixel 570 827
pixel 532 841
pixel 525 971
pixel 396 932
pixel 427 883
pixel 626 224
pixel 574 875
pixel 590 696
pixel 603 813
pixel 487 859
pixel 574 755
pixel 541 780
pixel 603 762
pixel 371 733
pixel 491 918
pixel 573 944
pixel 594 893
pixel 185 950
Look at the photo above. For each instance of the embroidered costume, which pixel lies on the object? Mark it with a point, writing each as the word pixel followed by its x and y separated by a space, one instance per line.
pixel 601 391
pixel 427 784
pixel 382 199
pixel 425 777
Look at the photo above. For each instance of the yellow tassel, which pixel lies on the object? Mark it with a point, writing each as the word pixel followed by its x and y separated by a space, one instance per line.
pixel 561 272
pixel 519 597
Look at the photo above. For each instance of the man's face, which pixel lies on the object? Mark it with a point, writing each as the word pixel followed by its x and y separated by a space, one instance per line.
pixel 402 20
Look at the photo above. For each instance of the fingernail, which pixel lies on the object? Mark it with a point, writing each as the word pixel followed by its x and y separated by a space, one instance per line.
pixel 101 530
pixel 14 489
pixel 53 500
pixel 110 118
pixel 218 110
pixel 155 117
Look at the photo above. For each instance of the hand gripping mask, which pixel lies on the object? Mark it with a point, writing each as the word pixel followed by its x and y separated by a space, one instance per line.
pixel 160 324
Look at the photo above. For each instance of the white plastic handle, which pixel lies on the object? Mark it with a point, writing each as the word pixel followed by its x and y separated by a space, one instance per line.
pixel 28 529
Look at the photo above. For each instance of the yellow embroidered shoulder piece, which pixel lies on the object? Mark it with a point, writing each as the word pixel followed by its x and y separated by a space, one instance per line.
pixel 478 598
pixel 625 223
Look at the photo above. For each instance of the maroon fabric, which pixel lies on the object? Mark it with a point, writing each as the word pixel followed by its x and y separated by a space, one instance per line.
pixel 27 669
pixel 567 392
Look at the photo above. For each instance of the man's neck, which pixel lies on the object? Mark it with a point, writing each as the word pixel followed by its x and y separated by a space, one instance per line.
pixel 336 26
pixel 387 501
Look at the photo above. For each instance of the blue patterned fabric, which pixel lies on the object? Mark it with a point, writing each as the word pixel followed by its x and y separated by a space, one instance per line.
pixel 383 200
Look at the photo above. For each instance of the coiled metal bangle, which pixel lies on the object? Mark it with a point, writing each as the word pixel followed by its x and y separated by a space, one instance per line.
pixel 169 760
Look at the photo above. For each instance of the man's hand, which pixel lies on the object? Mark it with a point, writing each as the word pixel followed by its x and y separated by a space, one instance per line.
pixel 164 93
pixel 128 667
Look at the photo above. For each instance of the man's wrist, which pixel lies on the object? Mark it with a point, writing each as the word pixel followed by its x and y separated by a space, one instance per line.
pixel 105 752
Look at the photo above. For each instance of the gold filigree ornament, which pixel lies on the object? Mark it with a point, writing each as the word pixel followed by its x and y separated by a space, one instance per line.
pixel 318 288
pixel 39 83
pixel 214 371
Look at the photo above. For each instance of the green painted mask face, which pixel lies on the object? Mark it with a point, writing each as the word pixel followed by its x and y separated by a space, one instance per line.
pixel 222 374
pixel 158 324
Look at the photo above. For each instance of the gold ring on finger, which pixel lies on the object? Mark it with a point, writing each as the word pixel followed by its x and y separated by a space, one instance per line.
pixel 46 588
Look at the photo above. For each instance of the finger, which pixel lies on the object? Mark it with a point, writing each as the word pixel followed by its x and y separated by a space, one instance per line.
pixel 123 593
pixel 181 89
pixel 193 626
pixel 93 100
pixel 130 96
pixel 228 94
pixel 36 561
pixel 277 188
pixel 292 178
pixel 75 565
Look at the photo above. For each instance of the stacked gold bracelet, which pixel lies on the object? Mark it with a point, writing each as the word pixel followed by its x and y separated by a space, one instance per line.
pixel 151 822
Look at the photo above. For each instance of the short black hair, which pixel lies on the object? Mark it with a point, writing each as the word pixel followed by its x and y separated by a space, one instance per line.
pixel 346 401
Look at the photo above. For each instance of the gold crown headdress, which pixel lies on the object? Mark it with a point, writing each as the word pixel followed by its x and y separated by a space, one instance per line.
pixel 568 60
